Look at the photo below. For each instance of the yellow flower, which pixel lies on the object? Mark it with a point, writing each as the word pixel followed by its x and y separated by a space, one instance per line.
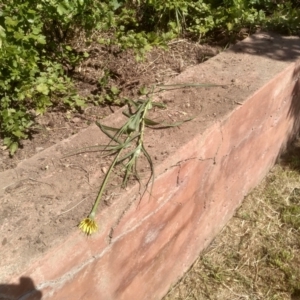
pixel 88 226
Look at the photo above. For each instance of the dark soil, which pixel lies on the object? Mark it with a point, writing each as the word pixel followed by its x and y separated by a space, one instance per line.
pixel 125 73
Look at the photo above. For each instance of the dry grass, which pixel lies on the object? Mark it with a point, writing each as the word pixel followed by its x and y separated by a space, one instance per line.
pixel 257 255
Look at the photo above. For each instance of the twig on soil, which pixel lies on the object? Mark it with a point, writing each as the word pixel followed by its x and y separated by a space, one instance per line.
pixel 64 212
pixel 239 103
pixel 175 42
pixel 58 128
pixel 152 62
pixel 21 180
pixel 234 293
pixel 40 181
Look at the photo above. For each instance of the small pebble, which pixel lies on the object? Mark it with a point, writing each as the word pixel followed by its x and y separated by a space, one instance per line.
pixel 76 120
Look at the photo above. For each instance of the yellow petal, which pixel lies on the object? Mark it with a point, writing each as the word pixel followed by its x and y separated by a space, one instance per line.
pixel 88 226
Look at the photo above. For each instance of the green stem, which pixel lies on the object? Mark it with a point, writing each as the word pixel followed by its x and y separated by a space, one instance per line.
pixel 103 185
pixel 141 138
pixel 140 143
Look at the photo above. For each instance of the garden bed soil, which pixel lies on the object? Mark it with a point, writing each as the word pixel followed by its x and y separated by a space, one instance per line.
pixel 128 75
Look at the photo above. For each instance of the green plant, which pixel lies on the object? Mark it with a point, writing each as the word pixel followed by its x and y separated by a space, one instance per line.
pixel 30 81
pixel 36 43
pixel 291 216
pixel 128 138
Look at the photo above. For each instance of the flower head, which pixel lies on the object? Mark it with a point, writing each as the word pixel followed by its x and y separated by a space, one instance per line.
pixel 88 225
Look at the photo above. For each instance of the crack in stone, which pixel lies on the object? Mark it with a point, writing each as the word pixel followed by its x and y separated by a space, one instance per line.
pixel 178 164
pixel 222 140
pixel 112 229
pixel 217 151
pixel 178 174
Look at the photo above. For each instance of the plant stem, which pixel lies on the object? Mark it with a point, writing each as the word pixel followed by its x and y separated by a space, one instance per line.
pixel 107 175
pixel 142 127
pixel 103 185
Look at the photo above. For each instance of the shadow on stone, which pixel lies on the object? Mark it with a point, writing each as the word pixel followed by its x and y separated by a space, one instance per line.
pixel 270 45
pixel 294 111
pixel 25 290
pixel 291 146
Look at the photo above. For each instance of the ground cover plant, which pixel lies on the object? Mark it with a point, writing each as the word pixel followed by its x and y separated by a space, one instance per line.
pixel 42 42
pixel 257 255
